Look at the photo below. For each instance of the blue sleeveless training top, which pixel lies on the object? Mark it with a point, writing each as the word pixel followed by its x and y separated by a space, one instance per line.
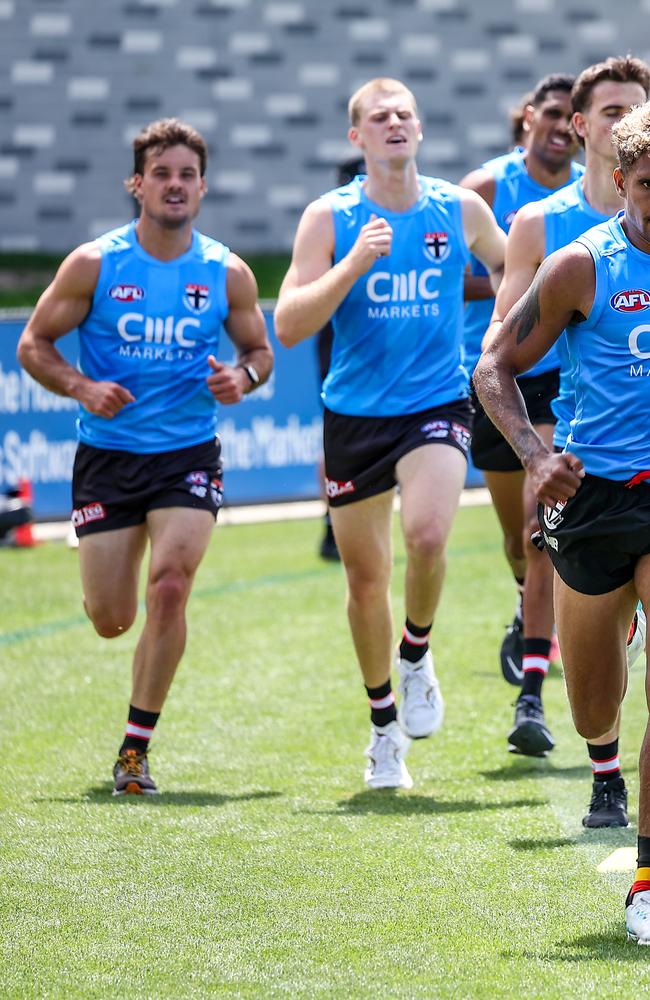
pixel 398 332
pixel 610 353
pixel 514 188
pixel 567 215
pixel 151 327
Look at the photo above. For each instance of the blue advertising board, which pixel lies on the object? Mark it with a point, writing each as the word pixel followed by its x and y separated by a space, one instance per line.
pixel 271 441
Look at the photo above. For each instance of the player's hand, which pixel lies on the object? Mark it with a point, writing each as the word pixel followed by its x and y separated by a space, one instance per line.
pixel 226 383
pixel 557 478
pixel 374 241
pixel 105 399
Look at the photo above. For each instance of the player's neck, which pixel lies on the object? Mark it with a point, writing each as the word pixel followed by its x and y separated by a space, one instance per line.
pixel 394 188
pixel 542 174
pixel 598 185
pixel 162 242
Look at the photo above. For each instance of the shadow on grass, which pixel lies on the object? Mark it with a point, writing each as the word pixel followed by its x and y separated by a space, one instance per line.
pixel 535 768
pixel 605 946
pixel 388 800
pixel 543 843
pixel 101 795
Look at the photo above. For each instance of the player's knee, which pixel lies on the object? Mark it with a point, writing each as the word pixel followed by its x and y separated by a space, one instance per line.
pixel 514 549
pixel 109 622
pixel 426 543
pixel 366 585
pixel 593 719
pixel 531 550
pixel 167 593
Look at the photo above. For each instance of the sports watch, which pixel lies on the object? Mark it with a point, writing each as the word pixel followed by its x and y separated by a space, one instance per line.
pixel 252 374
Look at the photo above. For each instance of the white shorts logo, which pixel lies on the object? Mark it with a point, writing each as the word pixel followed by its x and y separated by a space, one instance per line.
pixel 552 516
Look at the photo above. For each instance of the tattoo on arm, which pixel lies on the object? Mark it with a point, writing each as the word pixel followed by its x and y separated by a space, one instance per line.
pixel 527 313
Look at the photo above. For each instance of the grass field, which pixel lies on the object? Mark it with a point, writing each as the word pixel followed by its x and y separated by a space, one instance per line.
pixel 265 869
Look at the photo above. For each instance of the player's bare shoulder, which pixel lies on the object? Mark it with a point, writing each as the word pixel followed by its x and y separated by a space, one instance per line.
pixel 241 285
pixel 318 220
pixel 567 278
pixel 527 236
pixel 79 271
pixel 482 182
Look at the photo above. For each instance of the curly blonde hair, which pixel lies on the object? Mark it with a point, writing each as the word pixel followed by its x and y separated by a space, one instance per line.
pixel 631 136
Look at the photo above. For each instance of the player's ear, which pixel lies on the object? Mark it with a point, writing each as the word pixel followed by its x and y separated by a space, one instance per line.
pixel 204 186
pixel 354 137
pixel 619 181
pixel 579 124
pixel 135 187
pixel 527 117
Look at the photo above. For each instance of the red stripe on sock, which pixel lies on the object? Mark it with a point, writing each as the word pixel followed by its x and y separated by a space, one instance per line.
pixel 640 886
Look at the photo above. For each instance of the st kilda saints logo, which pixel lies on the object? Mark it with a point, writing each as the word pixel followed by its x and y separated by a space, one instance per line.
pixel 553 516
pixel 436 246
pixel 197 297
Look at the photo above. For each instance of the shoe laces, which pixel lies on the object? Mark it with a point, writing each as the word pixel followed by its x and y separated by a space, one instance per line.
pixel 608 796
pixel 132 762
pixel 418 680
pixel 381 746
pixel 532 707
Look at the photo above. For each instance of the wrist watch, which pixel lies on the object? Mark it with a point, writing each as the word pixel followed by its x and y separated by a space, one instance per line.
pixel 252 374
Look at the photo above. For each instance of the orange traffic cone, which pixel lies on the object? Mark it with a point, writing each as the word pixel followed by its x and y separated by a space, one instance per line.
pixel 23 534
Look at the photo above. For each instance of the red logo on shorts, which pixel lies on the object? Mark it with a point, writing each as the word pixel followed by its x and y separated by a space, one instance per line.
pixel 334 489
pixel 85 515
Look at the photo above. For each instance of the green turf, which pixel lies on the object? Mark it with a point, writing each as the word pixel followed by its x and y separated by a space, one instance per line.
pixel 265 869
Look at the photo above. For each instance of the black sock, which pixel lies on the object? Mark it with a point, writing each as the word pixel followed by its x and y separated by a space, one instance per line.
pixel 415 641
pixel 139 729
pixel 643 851
pixel 605 763
pixel 535 664
pixel 382 704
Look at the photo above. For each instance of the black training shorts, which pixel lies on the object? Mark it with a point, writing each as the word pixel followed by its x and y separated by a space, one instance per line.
pixel 361 452
pixel 490 450
pixel 597 537
pixel 116 489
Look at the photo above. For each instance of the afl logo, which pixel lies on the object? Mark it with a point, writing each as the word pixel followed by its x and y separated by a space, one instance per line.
pixel 634 300
pixel 552 516
pixel 127 293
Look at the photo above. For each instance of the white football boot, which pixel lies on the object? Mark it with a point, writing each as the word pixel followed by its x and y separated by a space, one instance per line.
pixel 385 753
pixel 421 708
pixel 637 918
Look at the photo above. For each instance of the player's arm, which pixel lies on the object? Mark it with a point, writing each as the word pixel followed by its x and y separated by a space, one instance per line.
pixel 562 291
pixel 477 286
pixel 483 236
pixel 525 250
pixel 60 309
pixel 313 288
pixel 246 328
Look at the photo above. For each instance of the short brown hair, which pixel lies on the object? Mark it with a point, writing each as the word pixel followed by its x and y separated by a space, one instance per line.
pixel 631 136
pixel 619 69
pixel 160 135
pixel 381 85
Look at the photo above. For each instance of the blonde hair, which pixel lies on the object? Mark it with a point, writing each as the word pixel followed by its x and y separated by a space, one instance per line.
pixel 380 85
pixel 631 136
